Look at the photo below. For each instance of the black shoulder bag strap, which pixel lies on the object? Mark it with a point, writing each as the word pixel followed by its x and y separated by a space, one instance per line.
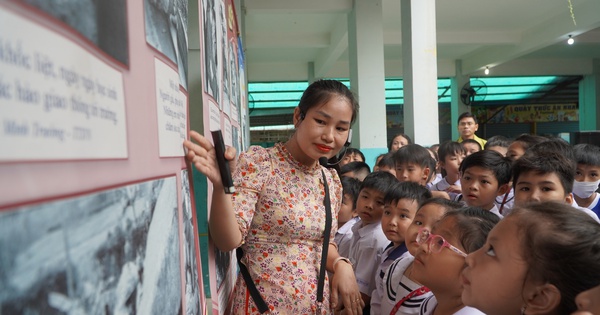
pixel 326 234
pixel 256 297
pixel 258 300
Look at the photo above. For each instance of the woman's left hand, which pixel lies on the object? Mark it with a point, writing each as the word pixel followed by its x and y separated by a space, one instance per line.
pixel 344 291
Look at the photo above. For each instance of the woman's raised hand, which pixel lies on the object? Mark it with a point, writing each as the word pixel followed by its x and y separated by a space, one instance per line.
pixel 202 155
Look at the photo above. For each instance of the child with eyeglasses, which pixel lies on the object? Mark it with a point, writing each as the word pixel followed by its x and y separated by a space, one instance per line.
pixel 535 261
pixel 398 292
pixel 440 259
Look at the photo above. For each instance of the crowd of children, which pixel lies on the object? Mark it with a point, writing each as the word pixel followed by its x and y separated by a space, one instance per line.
pixel 508 228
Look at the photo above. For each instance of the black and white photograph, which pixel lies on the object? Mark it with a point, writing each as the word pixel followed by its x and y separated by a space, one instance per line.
pixel 192 284
pixel 226 106
pixel 222 50
pixel 104 23
pixel 211 77
pixel 225 279
pixel 234 77
pixel 110 252
pixel 166 30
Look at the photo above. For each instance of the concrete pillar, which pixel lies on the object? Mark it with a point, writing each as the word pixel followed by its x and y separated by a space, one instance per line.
pixel 419 63
pixel 367 77
pixel 589 99
pixel 457 107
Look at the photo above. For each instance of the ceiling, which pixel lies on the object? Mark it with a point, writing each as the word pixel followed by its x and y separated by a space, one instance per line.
pixel 512 37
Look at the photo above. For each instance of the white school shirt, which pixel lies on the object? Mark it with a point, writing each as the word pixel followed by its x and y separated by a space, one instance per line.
pixel 443 184
pixel 343 237
pixel 438 177
pixel 368 243
pixel 508 204
pixel 587 211
pixel 430 303
pixel 496 211
pixel 394 287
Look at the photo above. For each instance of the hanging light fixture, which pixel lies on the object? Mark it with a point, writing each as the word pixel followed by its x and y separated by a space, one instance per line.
pixel 487 70
pixel 570 41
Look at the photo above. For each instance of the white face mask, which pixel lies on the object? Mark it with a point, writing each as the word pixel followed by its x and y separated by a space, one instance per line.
pixel 585 189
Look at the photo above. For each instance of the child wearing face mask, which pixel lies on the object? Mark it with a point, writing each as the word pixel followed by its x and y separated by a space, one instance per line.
pixel 587 176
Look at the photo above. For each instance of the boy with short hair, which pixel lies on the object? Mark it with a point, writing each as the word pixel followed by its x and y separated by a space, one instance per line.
pixel 358 170
pixel 401 205
pixel 545 177
pixel 484 176
pixel 347 215
pixel 587 176
pixel 471 146
pixel 498 143
pixel 387 164
pixel 368 240
pixel 414 164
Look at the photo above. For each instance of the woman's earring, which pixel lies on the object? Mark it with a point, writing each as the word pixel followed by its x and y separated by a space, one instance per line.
pixel 523 308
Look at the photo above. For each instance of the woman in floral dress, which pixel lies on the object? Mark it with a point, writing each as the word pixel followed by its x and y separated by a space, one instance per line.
pixel 277 214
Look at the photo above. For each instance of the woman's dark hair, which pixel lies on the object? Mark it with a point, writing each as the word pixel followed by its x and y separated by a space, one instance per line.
pixel 321 91
pixel 405 136
pixel 473 225
pixel 561 245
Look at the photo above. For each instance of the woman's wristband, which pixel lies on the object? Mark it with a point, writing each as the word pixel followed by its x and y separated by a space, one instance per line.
pixel 337 260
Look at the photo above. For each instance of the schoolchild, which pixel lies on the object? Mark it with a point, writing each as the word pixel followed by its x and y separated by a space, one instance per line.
pixel 347 215
pixel 401 205
pixel 471 146
pixel 368 240
pixel 535 261
pixel 393 293
pixel 587 176
pixel 440 259
pixel 484 176
pixel 450 155
pixel 414 164
pixel 521 144
pixel 545 177
pixel 498 143
pixel 588 302
pixel 387 164
pixel 278 212
pixel 358 170
pixel 352 155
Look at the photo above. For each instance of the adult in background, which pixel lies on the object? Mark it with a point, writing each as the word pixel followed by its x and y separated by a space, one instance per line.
pixel 467 126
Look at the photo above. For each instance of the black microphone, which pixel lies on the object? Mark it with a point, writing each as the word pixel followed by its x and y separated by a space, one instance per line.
pixel 323 161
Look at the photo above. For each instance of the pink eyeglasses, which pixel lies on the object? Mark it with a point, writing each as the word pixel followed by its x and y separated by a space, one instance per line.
pixel 436 242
